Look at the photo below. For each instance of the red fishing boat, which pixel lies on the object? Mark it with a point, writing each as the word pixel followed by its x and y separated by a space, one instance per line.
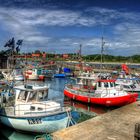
pixel 104 92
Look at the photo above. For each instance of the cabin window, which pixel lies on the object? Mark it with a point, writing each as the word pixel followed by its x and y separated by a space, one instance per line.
pixel 45 94
pixel 23 95
pixel 132 86
pixel 42 95
pixel 126 86
pixel 32 96
pixel 99 84
pixel 106 85
pixel 39 108
pixel 32 108
pixel 111 84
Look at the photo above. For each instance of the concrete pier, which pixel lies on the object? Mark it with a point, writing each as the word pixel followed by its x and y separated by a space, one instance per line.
pixel 118 124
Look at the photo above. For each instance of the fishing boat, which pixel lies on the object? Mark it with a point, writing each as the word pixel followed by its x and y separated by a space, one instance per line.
pixel 63 72
pixel 129 84
pixel 103 93
pixel 29 109
pixel 34 74
pixel 59 74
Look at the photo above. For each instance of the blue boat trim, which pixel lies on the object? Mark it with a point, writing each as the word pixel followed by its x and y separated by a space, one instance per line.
pixel 56 115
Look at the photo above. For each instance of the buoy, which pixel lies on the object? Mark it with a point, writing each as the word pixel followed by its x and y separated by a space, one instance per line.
pixel 73 97
pixel 88 99
pixel 137 131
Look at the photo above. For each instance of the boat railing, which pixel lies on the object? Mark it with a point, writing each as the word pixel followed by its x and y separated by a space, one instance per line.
pixel 36 109
pixel 78 92
pixel 107 93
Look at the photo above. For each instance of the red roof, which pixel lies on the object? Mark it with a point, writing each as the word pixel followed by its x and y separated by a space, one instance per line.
pixel 35 55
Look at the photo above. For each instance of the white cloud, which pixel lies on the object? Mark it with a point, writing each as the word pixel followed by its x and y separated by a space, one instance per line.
pixel 25 24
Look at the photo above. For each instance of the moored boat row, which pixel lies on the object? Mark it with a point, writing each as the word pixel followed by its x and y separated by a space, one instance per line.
pixel 29 106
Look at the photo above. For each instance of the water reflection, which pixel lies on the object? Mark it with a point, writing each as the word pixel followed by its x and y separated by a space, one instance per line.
pixel 11 134
pixel 82 107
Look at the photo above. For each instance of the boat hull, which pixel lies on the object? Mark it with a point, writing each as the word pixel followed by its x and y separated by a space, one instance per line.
pixel 31 77
pixel 109 101
pixel 41 77
pixel 61 75
pixel 46 124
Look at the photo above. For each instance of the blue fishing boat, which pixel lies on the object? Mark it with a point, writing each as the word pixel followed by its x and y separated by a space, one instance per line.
pixel 62 73
pixel 28 109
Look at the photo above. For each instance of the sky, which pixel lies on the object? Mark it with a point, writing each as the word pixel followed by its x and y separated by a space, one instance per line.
pixel 60 26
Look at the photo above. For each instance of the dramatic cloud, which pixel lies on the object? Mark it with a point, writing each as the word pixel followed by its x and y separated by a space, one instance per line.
pixel 32 25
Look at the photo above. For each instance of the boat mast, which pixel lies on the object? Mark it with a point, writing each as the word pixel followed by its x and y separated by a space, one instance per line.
pixel 102 51
pixel 80 56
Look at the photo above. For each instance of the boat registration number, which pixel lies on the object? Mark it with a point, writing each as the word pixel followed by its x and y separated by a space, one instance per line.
pixel 35 121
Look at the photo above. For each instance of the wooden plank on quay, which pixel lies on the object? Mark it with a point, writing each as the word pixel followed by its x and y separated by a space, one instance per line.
pixel 118 124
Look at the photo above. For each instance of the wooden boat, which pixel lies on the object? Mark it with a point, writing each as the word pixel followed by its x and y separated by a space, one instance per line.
pixel 103 93
pixel 28 109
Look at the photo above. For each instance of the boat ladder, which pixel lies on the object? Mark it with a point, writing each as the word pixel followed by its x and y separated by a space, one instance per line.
pixel 71 121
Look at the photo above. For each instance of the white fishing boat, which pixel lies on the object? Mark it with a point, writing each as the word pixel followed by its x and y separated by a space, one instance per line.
pixel 129 84
pixel 31 74
pixel 28 109
pixel 34 74
pixel 104 92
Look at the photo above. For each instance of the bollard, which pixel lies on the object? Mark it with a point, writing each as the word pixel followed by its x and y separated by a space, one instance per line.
pixel 137 131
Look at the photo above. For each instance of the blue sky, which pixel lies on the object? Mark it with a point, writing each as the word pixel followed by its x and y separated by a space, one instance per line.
pixel 60 26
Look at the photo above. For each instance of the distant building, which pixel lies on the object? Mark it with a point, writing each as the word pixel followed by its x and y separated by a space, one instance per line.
pixel 36 55
pixel 3 62
pixel 65 56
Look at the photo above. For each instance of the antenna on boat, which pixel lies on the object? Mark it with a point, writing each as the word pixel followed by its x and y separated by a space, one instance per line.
pixel 25 67
pixel 102 47
pixel 80 56
pixel 102 51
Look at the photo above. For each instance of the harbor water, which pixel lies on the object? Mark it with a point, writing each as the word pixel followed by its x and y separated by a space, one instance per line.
pixel 57 85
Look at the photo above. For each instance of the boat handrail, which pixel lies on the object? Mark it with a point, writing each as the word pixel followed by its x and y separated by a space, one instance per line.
pixel 36 109
pixel 79 91
pixel 108 92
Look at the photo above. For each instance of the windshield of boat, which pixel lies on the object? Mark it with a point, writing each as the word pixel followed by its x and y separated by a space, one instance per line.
pixel 30 96
pixel 41 95
pixel 23 95
pixel 106 84
pixel 129 86
pixel 132 86
pixel 137 82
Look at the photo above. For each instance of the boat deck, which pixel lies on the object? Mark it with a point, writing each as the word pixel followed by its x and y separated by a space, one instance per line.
pixel 118 124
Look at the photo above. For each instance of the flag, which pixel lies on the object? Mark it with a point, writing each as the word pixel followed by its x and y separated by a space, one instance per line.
pixel 125 68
